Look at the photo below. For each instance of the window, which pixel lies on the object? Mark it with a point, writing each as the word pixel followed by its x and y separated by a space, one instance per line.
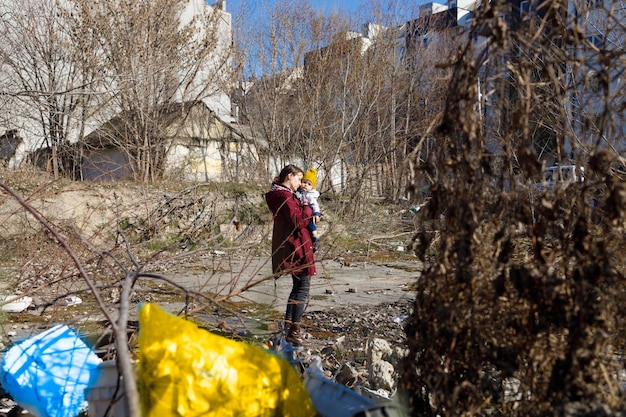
pixel 523 9
pixel 526 9
pixel 596 40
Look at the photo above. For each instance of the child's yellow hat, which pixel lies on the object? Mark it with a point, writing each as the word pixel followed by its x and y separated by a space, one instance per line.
pixel 311 175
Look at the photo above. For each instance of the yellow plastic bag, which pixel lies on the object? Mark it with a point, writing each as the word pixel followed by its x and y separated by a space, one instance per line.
pixel 188 371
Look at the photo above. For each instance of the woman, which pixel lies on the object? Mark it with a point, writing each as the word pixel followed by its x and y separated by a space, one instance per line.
pixel 292 248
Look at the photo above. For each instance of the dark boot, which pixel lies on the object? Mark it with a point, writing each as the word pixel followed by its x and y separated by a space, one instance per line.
pixel 286 325
pixel 293 335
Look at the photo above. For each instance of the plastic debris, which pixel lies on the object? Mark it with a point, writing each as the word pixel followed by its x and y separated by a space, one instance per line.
pixel 188 371
pixel 71 300
pixel 330 398
pixel 47 374
pixel 106 393
pixel 16 304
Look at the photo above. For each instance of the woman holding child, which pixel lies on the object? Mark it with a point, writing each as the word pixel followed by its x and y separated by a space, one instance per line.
pixel 292 248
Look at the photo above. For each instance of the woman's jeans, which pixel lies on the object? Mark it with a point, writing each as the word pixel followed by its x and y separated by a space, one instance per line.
pixel 298 298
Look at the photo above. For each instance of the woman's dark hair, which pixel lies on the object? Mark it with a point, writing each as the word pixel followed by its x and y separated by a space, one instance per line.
pixel 289 169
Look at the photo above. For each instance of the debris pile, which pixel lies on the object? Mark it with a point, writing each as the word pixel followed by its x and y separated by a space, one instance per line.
pixel 354 384
pixel 368 346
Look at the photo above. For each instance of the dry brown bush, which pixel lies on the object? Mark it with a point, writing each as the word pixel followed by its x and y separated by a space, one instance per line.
pixel 521 286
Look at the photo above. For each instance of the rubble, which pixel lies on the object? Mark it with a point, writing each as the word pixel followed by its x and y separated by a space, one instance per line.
pixel 358 347
pixel 362 348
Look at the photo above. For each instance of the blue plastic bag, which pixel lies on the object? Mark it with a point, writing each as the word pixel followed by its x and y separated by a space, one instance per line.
pixel 47 374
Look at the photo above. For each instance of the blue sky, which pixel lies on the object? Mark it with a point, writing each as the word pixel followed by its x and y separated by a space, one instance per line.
pixel 332 5
pixel 323 5
pixel 349 7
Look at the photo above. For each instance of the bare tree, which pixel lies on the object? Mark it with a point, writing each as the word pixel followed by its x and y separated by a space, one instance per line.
pixel 150 56
pixel 272 58
pixel 343 95
pixel 596 81
pixel 71 66
pixel 46 88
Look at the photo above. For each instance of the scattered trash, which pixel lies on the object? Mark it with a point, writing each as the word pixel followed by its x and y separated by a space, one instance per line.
pixel 512 389
pixel 6 405
pixel 36 303
pixel 219 252
pixel 384 410
pixel 71 300
pixel 343 262
pixel 330 398
pixel 106 392
pixel 380 396
pixel 47 374
pixel 416 208
pixel 400 249
pixel 16 304
pixel 182 370
pixel 185 370
pixel 400 319
pixel 290 353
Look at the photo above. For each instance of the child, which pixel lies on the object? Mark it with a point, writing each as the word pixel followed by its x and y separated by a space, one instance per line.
pixel 309 195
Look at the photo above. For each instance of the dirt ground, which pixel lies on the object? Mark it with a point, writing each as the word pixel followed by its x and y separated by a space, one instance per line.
pixel 338 282
pixel 341 287
pixel 354 299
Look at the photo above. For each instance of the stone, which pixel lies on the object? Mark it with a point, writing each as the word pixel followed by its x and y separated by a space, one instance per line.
pixel 378 349
pixel 382 376
pixel 347 375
